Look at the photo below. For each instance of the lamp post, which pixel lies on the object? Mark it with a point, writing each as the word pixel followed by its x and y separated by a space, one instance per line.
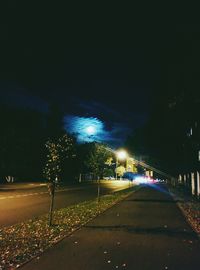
pixel 116 168
pixel 120 155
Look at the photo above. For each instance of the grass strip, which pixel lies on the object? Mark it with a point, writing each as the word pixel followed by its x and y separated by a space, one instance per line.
pixel 22 242
pixel 189 205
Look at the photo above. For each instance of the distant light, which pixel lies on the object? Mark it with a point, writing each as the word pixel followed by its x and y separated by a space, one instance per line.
pixel 141 180
pixel 122 154
pixel 145 180
pixel 91 130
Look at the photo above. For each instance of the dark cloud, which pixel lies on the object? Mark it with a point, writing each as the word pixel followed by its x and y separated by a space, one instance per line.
pixel 13 95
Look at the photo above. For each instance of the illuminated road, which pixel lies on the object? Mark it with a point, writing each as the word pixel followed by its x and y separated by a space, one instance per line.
pixel 26 202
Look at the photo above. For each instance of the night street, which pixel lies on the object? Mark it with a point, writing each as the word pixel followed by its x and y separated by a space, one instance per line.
pixel 99 136
pixel 24 202
pixel 145 231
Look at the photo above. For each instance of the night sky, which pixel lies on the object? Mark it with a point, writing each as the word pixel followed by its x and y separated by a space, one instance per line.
pixel 107 69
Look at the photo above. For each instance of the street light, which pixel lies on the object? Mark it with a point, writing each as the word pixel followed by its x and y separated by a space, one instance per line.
pixel 120 155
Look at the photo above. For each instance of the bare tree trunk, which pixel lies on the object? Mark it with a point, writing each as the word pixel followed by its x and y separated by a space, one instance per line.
pixel 98 191
pixel 51 210
pixel 51 188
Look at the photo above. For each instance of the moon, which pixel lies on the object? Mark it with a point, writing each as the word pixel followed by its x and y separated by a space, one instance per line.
pixel 90 130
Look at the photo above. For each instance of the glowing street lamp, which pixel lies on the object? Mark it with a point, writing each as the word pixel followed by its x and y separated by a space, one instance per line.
pixel 120 155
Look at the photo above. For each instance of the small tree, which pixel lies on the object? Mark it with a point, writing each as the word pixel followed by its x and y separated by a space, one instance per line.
pixel 120 171
pixel 134 169
pixel 57 151
pixel 52 167
pixel 52 171
pixel 96 161
pixel 108 172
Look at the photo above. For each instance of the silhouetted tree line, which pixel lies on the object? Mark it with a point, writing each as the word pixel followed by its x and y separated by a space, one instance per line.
pixel 30 141
pixel 22 138
pixel 23 135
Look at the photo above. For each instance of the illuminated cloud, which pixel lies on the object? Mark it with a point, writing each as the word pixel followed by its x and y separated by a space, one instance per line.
pixel 90 129
pixel 87 129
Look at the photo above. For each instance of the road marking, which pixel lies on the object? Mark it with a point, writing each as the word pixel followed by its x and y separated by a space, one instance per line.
pixel 44 192
pixel 22 195
pixel 30 194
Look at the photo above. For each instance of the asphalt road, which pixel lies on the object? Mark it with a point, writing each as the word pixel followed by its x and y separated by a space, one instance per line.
pixel 146 231
pixel 22 202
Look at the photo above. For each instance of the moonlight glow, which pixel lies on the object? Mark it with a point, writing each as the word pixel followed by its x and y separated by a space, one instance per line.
pixel 87 129
pixel 91 130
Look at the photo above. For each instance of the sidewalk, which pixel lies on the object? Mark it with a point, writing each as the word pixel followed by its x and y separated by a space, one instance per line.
pixel 146 231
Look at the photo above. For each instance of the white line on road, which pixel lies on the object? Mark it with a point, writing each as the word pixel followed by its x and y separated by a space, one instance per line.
pixel 41 193
pixel 22 195
pixel 32 194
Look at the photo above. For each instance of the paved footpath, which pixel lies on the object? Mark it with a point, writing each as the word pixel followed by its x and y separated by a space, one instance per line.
pixel 146 231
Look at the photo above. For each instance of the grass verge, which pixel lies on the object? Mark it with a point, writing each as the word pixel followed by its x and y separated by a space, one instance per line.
pixel 26 240
pixel 189 206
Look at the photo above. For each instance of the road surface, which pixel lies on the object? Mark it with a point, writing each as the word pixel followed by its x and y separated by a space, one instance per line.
pixel 22 202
